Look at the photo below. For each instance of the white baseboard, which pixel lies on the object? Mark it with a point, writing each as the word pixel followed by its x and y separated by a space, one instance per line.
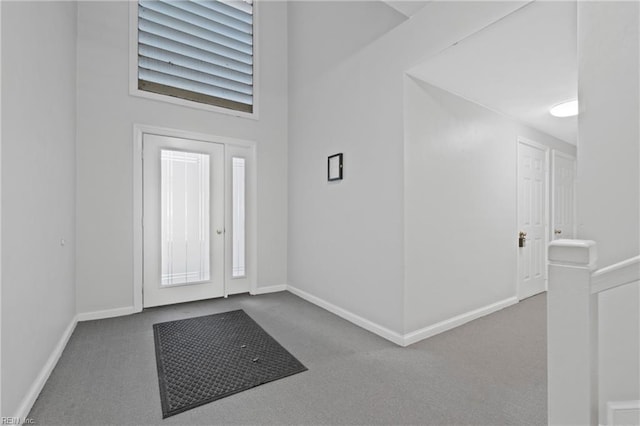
pixel 623 413
pixel 269 289
pixel 45 372
pixel 349 316
pixel 402 340
pixel 458 320
pixel 107 313
pixel 409 338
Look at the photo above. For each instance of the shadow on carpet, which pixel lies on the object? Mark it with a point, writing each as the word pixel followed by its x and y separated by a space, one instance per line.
pixel 206 358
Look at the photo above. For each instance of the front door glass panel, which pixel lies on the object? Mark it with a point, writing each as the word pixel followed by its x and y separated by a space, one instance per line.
pixel 185 217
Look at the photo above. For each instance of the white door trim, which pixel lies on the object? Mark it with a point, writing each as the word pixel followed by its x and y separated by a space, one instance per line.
pixel 252 220
pixel 546 149
pixel 555 154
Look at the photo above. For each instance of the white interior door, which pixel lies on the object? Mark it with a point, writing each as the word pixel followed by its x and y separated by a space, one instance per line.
pixel 532 218
pixel 563 208
pixel 183 220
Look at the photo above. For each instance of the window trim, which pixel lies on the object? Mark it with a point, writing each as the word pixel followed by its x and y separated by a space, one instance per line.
pixel 133 71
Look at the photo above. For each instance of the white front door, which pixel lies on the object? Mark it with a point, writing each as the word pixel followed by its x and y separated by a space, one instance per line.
pixel 532 219
pixel 563 209
pixel 183 220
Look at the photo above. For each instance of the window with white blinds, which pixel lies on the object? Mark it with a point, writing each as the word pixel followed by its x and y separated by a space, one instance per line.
pixel 199 50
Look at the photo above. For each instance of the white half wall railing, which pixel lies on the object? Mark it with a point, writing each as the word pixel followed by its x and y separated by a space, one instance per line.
pixel 572 327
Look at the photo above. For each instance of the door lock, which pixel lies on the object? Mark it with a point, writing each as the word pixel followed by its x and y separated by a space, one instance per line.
pixel 522 238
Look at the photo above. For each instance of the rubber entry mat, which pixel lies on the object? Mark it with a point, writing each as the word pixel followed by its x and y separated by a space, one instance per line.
pixel 206 358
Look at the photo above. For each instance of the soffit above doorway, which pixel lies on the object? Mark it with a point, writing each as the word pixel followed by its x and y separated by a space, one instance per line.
pixel 407 7
pixel 519 66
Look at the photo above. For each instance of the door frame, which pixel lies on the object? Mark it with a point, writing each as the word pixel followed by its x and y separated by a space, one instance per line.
pixel 554 155
pixel 139 130
pixel 524 141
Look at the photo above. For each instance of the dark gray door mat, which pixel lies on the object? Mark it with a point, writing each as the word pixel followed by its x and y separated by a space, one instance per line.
pixel 206 358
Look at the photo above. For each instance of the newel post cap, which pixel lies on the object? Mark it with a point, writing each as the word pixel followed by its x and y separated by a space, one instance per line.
pixel 573 252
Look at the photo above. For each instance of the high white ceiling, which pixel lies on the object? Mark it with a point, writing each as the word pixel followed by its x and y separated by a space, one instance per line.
pixel 406 7
pixel 519 66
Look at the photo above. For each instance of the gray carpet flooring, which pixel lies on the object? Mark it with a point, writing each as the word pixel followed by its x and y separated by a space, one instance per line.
pixel 491 371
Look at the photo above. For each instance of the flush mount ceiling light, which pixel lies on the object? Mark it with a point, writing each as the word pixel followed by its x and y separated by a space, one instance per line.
pixel 565 109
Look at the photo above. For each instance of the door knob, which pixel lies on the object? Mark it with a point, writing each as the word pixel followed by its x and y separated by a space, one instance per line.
pixel 557 231
pixel 219 231
pixel 521 239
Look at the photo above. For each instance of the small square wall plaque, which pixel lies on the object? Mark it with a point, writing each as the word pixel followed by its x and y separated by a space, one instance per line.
pixel 334 166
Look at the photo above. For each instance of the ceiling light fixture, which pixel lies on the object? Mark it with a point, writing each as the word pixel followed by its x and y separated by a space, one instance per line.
pixel 565 109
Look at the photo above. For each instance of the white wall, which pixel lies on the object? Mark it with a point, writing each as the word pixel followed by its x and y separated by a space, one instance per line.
pixel 608 144
pixel 106 114
pixel 609 178
pixel 343 236
pixel 460 204
pixel 346 239
pixel 38 182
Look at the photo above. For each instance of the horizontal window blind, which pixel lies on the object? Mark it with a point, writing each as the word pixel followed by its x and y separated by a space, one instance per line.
pixel 200 50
